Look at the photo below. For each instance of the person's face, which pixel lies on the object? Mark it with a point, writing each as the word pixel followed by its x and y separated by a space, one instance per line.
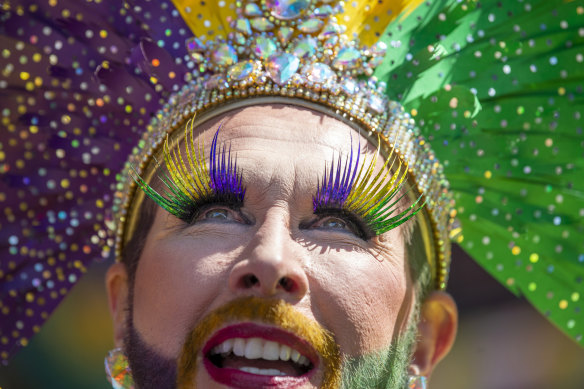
pixel 275 249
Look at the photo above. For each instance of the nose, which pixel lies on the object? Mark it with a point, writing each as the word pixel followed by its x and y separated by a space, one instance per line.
pixel 271 265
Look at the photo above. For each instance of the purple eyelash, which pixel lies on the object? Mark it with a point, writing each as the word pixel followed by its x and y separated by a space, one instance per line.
pixel 335 189
pixel 225 179
pixel 186 190
pixel 357 191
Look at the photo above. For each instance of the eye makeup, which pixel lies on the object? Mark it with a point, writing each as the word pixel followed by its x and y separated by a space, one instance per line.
pixel 190 186
pixel 369 201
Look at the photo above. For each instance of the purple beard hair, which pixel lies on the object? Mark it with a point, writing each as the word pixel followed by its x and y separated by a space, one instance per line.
pixel 149 368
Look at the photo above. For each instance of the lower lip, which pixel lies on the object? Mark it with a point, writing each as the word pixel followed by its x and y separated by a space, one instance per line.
pixel 243 380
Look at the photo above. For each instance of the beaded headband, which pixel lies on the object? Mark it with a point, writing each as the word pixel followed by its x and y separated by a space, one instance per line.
pixel 294 52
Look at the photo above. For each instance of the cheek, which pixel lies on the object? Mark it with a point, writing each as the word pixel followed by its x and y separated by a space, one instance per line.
pixel 361 299
pixel 176 282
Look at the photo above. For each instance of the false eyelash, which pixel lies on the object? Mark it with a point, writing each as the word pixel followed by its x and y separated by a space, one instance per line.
pixel 193 184
pixel 373 198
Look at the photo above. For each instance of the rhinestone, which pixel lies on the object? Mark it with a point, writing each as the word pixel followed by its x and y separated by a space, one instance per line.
pixel 197 57
pixel 347 58
pixel 380 48
pixel 252 9
pixel 311 25
pixel 263 47
pixel 282 66
pixel 195 44
pixel 243 26
pixel 287 9
pixel 376 103
pixel 284 34
pixel 328 30
pixel 305 47
pixel 350 86
pixel 323 11
pixel 319 72
pixel 242 70
pixel 261 24
pixel 224 55
pixel 375 62
pixel 213 81
pixel 331 42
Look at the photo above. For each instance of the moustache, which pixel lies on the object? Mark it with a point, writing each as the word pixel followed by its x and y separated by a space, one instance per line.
pixel 275 313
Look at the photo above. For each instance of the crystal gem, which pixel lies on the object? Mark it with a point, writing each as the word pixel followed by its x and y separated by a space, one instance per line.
pixel 239 38
pixel 319 72
pixel 287 9
pixel 241 70
pixel 252 9
pixel 323 11
pixel 375 62
pixel 282 66
pixel 197 57
pixel 213 81
pixel 305 47
pixel 195 44
pixel 380 48
pixel 224 55
pixel 331 42
pixel 263 47
pixel 347 58
pixel 243 26
pixel 311 25
pixel 328 30
pixel 350 86
pixel 376 103
pixel 261 24
pixel 284 34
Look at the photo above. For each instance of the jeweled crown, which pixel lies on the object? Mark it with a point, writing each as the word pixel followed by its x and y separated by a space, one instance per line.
pixel 295 52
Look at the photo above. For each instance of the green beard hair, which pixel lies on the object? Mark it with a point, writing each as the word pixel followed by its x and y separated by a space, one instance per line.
pixel 385 369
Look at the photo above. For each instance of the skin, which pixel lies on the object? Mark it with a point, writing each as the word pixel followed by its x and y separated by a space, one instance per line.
pixel 359 290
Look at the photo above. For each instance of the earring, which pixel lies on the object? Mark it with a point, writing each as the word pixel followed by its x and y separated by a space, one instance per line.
pixel 118 370
pixel 417 382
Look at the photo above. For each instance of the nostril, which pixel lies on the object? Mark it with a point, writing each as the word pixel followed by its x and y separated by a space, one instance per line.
pixel 287 284
pixel 250 280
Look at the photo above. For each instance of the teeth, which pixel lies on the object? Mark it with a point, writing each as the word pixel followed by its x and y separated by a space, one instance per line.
pixel 295 356
pixel 226 346
pixel 303 360
pixel 285 352
pixel 239 347
pixel 256 348
pixel 255 370
pixel 271 351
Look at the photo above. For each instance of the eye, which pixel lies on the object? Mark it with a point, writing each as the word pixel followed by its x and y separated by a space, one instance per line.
pixel 214 213
pixel 217 214
pixel 338 220
pixel 332 223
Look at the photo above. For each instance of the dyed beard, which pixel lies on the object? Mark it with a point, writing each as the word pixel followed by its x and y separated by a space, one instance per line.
pixel 386 369
pixel 149 368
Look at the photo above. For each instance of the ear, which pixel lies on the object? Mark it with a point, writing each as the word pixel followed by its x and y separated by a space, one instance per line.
pixel 116 283
pixel 436 332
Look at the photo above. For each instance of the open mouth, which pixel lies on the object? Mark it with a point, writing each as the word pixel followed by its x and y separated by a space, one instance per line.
pixel 249 355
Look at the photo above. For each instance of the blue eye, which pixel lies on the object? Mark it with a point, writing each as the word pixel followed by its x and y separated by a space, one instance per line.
pixel 217 214
pixel 334 223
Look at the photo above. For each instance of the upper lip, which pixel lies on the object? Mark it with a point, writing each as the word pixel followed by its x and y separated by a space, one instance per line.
pixel 270 336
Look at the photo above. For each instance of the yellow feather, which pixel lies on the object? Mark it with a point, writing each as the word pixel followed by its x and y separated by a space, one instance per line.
pixel 208 20
pixel 365 19
pixel 368 19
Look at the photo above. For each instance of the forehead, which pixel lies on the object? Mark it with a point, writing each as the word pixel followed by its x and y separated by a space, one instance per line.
pixel 282 146
pixel 281 127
